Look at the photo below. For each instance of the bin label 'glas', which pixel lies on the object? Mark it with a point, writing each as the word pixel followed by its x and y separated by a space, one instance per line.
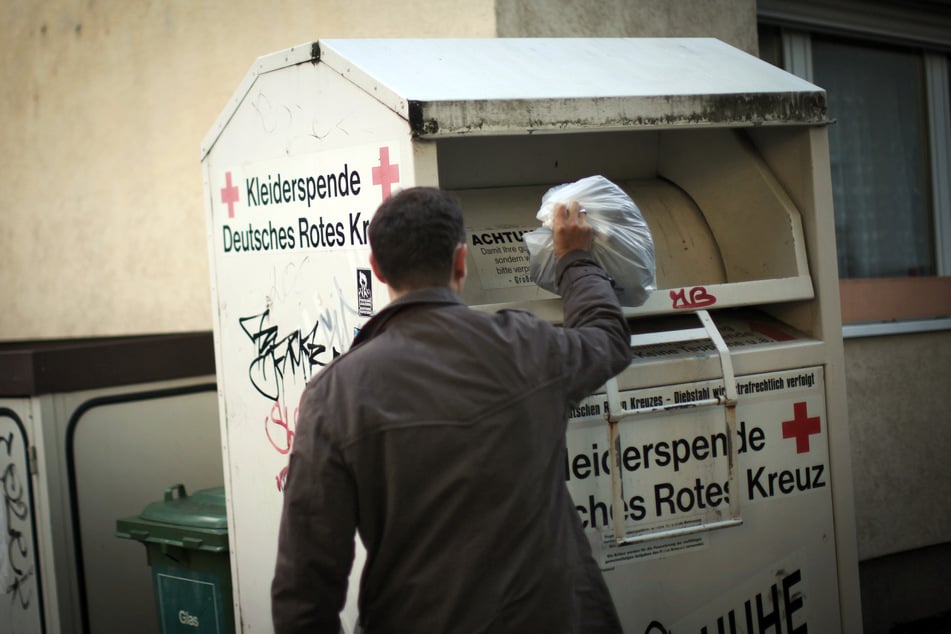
pixel 188 601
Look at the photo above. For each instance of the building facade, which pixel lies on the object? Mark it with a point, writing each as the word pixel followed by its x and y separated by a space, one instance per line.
pixel 102 222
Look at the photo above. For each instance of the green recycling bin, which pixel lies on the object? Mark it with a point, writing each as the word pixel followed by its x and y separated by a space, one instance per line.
pixel 186 541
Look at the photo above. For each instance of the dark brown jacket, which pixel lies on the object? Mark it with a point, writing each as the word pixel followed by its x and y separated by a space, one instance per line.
pixel 440 437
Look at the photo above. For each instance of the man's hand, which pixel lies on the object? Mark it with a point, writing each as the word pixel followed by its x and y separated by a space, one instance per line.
pixel 570 229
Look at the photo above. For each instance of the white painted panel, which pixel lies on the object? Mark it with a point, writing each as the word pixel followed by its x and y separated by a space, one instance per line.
pixel 20 569
pixel 291 182
pixel 674 474
pixel 125 455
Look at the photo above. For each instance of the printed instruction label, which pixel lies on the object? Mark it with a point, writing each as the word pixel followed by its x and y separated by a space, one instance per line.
pixel 500 256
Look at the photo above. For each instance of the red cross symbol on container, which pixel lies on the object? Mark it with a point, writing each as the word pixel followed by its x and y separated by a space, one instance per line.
pixel 386 174
pixel 229 194
pixel 801 427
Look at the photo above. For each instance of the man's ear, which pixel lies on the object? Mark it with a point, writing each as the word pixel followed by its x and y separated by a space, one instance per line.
pixel 376 269
pixel 459 264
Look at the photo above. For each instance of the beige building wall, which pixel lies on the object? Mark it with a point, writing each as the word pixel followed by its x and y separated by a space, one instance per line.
pixel 104 106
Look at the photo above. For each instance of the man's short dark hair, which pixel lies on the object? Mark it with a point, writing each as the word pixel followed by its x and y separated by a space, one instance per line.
pixel 414 235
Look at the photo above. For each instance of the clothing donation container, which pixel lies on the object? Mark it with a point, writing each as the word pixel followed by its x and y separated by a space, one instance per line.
pixel 712 476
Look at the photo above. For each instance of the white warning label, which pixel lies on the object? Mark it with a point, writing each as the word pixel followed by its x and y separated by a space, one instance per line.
pixel 500 256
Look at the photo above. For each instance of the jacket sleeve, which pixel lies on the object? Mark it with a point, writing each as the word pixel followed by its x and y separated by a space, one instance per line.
pixel 315 540
pixel 596 342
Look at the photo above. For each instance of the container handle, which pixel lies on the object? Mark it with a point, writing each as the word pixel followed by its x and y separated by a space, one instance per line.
pixel 616 414
pixel 170 492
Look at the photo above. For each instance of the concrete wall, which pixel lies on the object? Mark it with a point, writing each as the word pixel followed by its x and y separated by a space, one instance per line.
pixel 900 440
pixel 105 104
pixel 733 21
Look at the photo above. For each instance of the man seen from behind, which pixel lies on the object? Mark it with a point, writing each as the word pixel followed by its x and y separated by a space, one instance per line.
pixel 439 437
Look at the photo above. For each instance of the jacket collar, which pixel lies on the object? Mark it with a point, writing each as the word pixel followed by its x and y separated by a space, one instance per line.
pixel 412 299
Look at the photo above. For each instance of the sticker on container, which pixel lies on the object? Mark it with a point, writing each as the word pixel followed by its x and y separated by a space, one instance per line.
pixel 189 598
pixel 610 554
pixel 500 256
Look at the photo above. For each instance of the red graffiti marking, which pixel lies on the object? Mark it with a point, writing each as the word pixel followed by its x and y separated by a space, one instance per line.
pixel 279 421
pixel 281 479
pixel 698 298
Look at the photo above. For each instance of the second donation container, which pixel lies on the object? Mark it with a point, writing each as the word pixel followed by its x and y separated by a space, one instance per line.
pixel 712 476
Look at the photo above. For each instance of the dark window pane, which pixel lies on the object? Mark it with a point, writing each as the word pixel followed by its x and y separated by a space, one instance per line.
pixel 770 45
pixel 879 153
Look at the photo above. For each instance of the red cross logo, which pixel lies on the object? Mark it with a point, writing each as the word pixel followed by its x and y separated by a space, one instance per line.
pixel 229 194
pixel 386 174
pixel 801 427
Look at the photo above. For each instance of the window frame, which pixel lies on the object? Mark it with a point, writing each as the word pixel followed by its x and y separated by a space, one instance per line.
pixel 882 306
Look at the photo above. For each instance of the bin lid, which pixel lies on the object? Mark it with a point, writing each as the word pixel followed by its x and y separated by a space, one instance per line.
pixel 198 521
pixel 202 509
pixel 446 87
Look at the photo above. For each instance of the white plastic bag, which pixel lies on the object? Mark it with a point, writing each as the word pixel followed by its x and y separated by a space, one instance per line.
pixel 622 240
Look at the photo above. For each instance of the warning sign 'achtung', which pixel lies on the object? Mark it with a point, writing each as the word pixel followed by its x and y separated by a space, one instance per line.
pixel 500 256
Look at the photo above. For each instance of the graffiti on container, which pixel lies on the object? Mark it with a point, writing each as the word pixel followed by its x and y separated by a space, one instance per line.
pixel 281 479
pixel 697 298
pixel 296 353
pixel 16 569
pixel 278 426
pixel 283 361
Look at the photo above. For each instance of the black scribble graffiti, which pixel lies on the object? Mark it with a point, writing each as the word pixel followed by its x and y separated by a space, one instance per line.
pixel 283 361
pixel 297 352
pixel 16 512
pixel 656 627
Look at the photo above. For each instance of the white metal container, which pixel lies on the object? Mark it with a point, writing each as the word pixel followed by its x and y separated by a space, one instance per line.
pixel 727 158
